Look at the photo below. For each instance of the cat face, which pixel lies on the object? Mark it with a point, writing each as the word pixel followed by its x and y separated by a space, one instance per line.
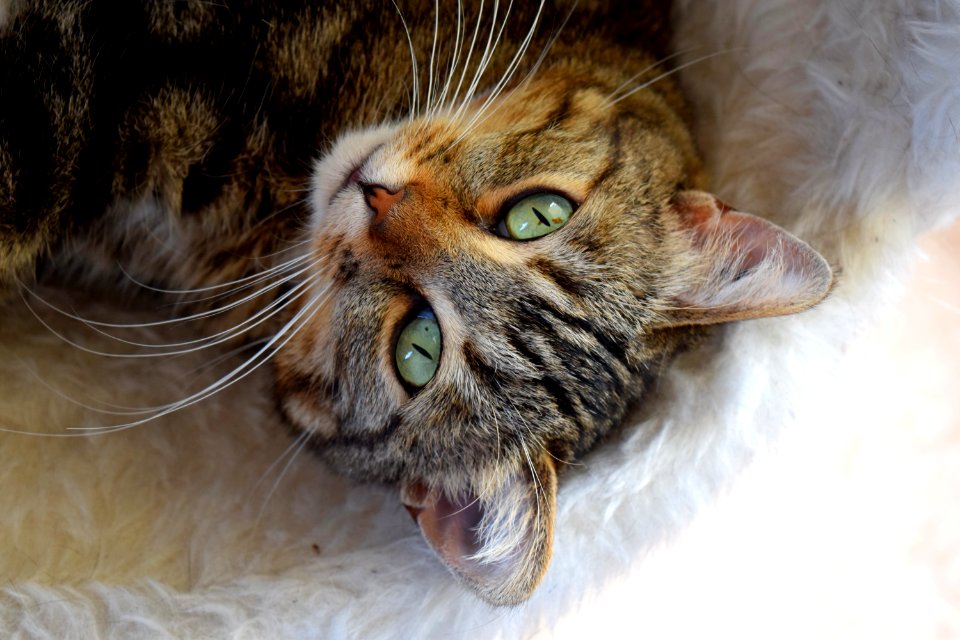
pixel 548 247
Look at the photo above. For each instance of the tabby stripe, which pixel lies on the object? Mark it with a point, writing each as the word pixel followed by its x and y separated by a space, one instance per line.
pixel 536 306
pixel 31 114
pixel 478 366
pixel 583 367
pixel 367 439
pixel 555 119
pixel 525 350
pixel 560 277
pixel 555 388
pixel 615 160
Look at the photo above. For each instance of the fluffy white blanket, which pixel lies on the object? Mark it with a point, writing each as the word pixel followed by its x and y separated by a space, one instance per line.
pixel 838 119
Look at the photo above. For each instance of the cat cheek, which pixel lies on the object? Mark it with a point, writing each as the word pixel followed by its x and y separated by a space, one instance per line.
pixel 310 416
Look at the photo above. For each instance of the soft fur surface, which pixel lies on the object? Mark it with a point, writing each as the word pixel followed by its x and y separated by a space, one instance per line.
pixel 835 119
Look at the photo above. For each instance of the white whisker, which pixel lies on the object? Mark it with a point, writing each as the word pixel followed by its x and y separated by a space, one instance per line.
pixel 283 336
pixel 433 53
pixel 230 333
pixel 454 58
pixel 485 58
pixel 665 74
pixel 114 409
pixel 289 264
pixel 518 56
pixel 126 410
pixel 475 122
pixel 466 62
pixel 158 323
pixel 538 485
pixel 415 72
pixel 107 354
pixel 648 68
pixel 300 442
pixel 226 355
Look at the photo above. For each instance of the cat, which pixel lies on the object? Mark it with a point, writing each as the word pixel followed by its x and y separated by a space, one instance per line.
pixel 470 235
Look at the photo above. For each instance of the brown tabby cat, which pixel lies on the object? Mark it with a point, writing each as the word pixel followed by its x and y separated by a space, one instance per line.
pixel 471 234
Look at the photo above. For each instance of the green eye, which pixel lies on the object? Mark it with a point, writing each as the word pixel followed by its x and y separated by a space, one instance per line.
pixel 535 216
pixel 418 349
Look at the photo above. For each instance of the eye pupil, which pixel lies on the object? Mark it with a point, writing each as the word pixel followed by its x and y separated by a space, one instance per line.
pixel 422 351
pixel 536 215
pixel 417 362
pixel 540 217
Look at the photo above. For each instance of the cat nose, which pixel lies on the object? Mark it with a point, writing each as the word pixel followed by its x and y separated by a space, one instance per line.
pixel 381 200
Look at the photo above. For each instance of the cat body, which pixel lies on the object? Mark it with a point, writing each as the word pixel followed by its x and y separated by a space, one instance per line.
pixel 359 167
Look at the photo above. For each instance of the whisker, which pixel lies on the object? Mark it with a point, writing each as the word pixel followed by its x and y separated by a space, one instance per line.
pixel 943 303
pixel 237 290
pixel 540 491
pixel 465 507
pixel 433 52
pixel 515 61
pixel 496 426
pixel 300 442
pixel 485 59
pixel 527 426
pixel 454 58
pixel 260 317
pixel 226 355
pixel 126 410
pixel 292 327
pixel 296 441
pixel 158 323
pixel 665 74
pixel 36 434
pixel 649 67
pixel 415 98
pixel 114 409
pixel 131 355
pixel 527 77
pixel 466 63
pixel 289 264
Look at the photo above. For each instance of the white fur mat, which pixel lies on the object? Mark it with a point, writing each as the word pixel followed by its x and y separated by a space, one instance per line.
pixel 838 119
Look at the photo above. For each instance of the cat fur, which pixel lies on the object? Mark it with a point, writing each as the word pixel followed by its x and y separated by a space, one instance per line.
pixel 717 408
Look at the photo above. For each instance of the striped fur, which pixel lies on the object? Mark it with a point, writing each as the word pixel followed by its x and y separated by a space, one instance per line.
pixel 200 143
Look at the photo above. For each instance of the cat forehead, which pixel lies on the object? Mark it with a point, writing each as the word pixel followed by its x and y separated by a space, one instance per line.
pixel 563 137
pixel 552 100
pixel 558 127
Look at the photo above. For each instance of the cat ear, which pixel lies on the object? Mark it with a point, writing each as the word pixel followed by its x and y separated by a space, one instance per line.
pixel 498 543
pixel 741 266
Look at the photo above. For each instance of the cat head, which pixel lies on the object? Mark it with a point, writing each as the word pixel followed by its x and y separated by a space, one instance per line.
pixel 495 284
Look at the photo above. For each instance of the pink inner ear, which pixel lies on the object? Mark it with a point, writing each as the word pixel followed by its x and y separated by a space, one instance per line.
pixel 452 524
pixel 699 208
pixel 710 217
pixel 742 266
pixel 499 546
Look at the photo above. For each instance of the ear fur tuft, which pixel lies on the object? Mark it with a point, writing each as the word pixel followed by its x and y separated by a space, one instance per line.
pixel 497 544
pixel 740 266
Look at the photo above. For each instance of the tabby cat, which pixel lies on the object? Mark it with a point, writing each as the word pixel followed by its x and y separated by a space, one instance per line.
pixel 470 235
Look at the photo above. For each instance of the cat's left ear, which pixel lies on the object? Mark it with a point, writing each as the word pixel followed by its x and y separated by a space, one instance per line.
pixel 739 266
pixel 499 542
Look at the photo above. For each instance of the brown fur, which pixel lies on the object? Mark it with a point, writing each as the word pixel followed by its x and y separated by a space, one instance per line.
pixel 184 151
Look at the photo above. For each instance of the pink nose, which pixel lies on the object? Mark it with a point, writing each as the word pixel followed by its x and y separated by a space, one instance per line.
pixel 381 199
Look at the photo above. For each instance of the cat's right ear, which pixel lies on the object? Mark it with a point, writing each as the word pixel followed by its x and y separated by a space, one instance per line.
pixel 737 266
pixel 498 541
